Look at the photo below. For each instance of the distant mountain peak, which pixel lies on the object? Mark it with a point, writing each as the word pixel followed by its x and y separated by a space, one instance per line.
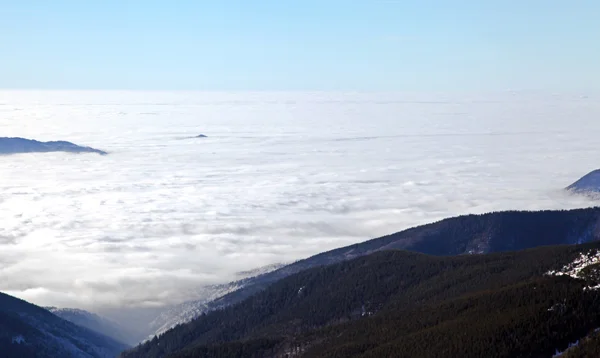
pixel 589 183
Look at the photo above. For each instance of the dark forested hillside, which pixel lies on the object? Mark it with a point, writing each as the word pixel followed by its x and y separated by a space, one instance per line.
pixel 27 330
pixel 403 304
pixel 492 232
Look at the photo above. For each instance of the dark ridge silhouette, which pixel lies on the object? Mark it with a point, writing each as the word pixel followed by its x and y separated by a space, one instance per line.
pixel 21 145
pixel 589 183
pixel 200 136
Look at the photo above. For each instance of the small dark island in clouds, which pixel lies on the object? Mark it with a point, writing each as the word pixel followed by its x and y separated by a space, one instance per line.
pixel 22 145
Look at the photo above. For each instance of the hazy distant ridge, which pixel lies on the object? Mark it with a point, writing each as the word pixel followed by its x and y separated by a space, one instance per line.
pixel 17 145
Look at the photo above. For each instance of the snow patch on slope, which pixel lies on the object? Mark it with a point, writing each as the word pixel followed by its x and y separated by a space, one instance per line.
pixel 574 269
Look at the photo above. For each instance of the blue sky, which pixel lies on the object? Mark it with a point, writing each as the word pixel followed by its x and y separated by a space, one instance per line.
pixel 369 45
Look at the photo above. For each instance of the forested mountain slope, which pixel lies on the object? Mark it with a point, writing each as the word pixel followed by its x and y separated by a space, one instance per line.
pixel 492 232
pixel 406 304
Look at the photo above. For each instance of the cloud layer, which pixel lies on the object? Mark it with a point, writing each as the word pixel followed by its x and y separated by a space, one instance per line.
pixel 279 177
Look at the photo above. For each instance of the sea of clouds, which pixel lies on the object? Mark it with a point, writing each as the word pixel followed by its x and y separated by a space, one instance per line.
pixel 281 176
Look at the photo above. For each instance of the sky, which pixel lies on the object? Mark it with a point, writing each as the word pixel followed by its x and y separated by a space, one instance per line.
pixel 320 45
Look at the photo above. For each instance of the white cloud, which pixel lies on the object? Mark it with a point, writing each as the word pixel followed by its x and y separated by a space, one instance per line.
pixel 280 177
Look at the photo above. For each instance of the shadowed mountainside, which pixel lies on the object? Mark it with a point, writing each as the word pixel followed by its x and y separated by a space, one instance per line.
pixel 27 330
pixel 95 323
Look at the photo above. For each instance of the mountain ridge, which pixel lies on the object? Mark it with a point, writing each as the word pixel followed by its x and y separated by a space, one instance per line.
pixel 405 304
pixel 465 234
pixel 95 323
pixel 487 233
pixel 17 145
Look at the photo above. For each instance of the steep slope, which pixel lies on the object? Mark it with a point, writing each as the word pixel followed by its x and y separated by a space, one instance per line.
pixel 187 311
pixel 493 232
pixel 27 330
pixel 589 183
pixel 22 145
pixel 404 304
pixel 94 322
